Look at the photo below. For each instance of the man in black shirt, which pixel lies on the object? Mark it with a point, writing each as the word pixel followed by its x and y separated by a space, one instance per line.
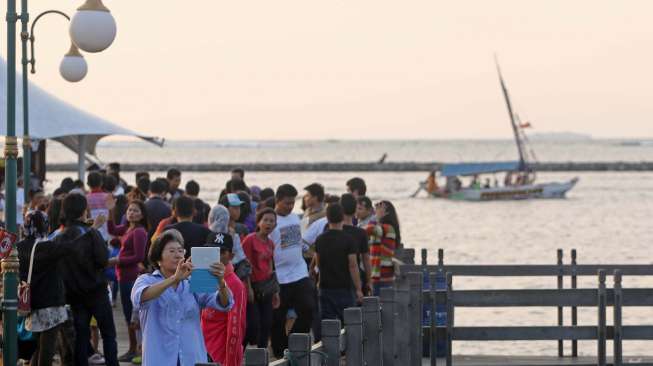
pixel 156 206
pixel 194 234
pixel 201 215
pixel 336 259
pixel 348 202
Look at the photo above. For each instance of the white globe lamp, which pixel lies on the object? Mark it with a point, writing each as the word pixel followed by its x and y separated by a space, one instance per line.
pixel 93 28
pixel 73 67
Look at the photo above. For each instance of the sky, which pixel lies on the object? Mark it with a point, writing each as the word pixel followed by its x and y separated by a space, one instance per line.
pixel 361 69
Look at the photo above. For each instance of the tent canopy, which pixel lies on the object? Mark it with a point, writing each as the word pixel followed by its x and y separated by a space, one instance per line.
pixel 52 118
pixel 463 169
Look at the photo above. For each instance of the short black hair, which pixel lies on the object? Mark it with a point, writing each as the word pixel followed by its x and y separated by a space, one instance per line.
pixel 94 180
pixel 173 173
pixel 78 184
pixel 365 201
pixel 67 184
pixel 73 207
pixel 184 206
pixel 142 174
pixel 331 198
pixel 266 193
pixel 285 190
pixel 267 203
pixel 357 184
pixel 114 166
pixel 348 203
pixel 58 191
pixel 110 183
pixel 158 186
pixel 316 190
pixel 192 188
pixel 334 213
pixel 263 212
pixel 239 171
pixel 156 249
pixel 237 185
pixel 143 184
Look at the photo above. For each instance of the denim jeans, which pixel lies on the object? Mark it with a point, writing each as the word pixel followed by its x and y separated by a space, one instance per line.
pixel 333 302
pixel 100 308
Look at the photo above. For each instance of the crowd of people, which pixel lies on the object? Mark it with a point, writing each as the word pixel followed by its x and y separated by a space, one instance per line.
pixel 89 246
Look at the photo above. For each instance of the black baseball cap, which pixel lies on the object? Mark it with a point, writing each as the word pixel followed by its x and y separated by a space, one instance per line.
pixel 221 240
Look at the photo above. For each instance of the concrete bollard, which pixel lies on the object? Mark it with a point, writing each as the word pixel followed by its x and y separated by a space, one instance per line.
pixel 415 280
pixel 388 314
pixel 331 341
pixel 602 336
pixel 256 357
pixel 299 346
pixel 618 331
pixel 401 331
pixel 354 333
pixel 372 350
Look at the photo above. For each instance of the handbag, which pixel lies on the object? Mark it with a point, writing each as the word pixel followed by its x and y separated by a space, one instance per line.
pixel 243 269
pixel 22 332
pixel 266 288
pixel 24 290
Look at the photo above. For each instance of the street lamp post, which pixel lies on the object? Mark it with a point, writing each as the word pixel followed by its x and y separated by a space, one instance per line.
pixel 72 68
pixel 92 29
pixel 10 264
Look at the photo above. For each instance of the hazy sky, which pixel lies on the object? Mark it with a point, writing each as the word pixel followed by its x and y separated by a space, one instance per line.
pixel 307 69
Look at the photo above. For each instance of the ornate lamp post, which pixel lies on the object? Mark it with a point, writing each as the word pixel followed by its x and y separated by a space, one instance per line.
pixel 73 68
pixel 93 30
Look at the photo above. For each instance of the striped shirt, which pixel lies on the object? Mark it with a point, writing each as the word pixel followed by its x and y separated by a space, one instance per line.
pixel 382 242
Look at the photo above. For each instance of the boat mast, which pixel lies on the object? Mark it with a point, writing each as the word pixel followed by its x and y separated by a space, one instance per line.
pixel 515 129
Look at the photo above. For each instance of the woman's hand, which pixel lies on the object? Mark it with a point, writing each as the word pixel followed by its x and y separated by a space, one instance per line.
pixel 184 269
pixel 217 269
pixel 113 261
pixel 99 221
pixel 276 301
pixel 110 202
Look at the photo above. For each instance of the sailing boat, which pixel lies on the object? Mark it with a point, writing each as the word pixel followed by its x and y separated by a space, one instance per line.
pixel 520 180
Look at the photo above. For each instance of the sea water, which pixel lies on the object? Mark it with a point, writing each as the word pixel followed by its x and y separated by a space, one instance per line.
pixel 607 217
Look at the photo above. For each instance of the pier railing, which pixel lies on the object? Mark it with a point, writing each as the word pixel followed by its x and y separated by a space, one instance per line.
pixel 389 330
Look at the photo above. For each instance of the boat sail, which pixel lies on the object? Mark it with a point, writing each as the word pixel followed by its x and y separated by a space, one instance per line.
pixel 520 180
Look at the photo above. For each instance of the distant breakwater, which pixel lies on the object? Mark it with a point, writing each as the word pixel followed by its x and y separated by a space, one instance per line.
pixel 361 167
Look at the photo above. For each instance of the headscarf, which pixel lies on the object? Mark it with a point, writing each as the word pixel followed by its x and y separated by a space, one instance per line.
pixel 35 224
pixel 219 219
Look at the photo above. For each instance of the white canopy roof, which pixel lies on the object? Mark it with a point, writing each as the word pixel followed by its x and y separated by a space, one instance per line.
pixel 52 118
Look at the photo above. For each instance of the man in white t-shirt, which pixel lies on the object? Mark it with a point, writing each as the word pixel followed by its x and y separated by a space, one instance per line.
pixel 296 289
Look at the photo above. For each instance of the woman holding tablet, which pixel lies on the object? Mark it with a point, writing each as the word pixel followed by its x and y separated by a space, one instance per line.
pixel 169 312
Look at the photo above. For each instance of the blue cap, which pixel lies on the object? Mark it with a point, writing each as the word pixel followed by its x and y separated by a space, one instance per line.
pixel 233 199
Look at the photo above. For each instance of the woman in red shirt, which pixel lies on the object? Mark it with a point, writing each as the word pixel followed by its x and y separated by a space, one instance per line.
pixel 133 243
pixel 259 250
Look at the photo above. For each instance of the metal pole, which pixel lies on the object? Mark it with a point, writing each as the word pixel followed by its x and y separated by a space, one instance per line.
pixel 27 146
pixel 10 264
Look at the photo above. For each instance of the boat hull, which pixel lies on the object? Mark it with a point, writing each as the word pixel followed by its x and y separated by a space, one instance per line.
pixel 532 191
